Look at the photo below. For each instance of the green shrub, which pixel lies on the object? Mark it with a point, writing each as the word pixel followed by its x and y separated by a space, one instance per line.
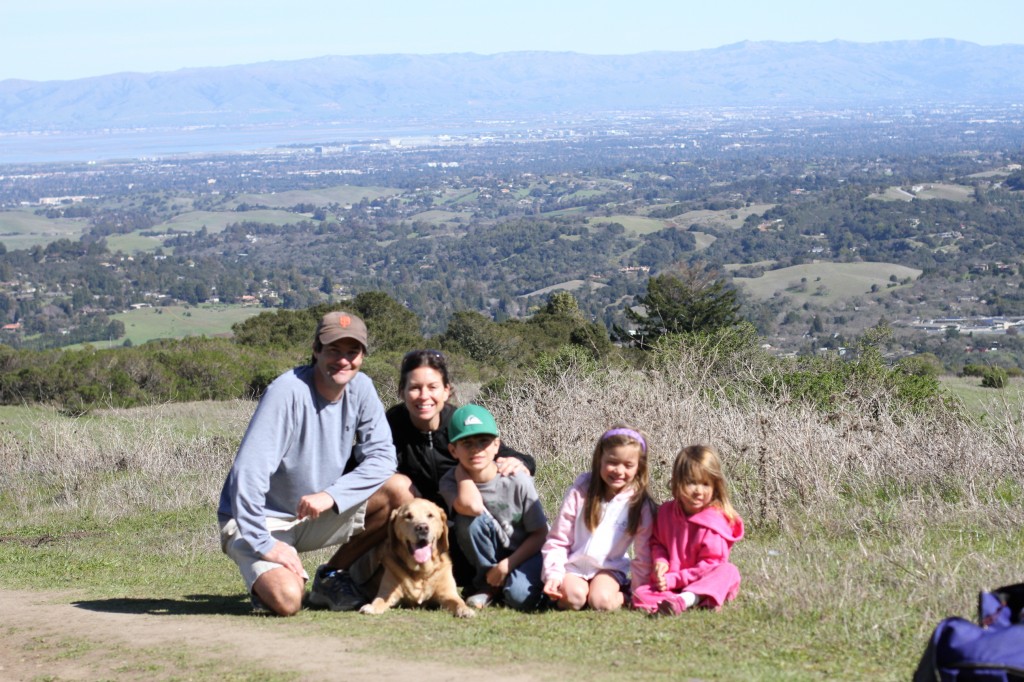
pixel 994 377
pixel 972 370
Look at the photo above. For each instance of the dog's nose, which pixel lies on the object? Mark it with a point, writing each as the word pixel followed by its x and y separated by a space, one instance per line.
pixel 422 528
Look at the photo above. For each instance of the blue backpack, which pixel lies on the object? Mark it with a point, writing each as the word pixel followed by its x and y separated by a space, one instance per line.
pixel 991 650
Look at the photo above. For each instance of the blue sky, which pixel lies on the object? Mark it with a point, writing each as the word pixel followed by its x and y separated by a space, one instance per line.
pixel 64 39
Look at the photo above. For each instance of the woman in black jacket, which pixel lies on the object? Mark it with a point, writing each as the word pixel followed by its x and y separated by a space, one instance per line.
pixel 419 428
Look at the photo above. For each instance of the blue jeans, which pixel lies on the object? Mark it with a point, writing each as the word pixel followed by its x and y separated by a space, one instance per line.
pixel 479 541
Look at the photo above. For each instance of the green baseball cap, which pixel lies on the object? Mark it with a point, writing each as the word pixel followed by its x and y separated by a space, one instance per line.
pixel 471 420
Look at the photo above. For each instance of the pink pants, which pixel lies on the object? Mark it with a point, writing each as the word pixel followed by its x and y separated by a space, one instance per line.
pixel 716 587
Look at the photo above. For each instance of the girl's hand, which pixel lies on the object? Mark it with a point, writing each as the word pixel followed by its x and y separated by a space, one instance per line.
pixel 508 466
pixel 658 577
pixel 498 573
pixel 553 588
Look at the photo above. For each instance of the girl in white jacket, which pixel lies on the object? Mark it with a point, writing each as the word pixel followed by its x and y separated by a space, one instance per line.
pixel 604 512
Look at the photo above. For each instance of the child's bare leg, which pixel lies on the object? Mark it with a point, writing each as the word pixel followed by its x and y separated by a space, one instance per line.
pixel 605 593
pixel 574 592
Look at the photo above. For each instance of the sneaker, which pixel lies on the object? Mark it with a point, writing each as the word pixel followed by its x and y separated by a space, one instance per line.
pixel 334 589
pixel 258 607
pixel 480 600
pixel 667 608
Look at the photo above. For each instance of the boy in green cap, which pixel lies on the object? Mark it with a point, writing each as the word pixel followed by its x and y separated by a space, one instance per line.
pixel 499 521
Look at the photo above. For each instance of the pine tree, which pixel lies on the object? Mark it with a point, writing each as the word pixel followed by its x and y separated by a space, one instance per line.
pixel 695 299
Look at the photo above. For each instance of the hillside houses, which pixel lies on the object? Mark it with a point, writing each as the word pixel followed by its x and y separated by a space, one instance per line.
pixel 970 325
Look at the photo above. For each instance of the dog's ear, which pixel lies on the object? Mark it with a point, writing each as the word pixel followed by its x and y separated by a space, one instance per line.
pixel 442 541
pixel 392 540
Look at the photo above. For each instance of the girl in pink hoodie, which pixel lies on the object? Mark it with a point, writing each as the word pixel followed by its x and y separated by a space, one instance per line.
pixel 604 512
pixel 692 536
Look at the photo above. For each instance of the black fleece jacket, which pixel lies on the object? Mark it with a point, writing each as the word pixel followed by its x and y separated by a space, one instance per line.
pixel 424 457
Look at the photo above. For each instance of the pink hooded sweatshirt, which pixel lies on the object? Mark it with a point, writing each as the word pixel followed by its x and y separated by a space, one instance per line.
pixel 696 549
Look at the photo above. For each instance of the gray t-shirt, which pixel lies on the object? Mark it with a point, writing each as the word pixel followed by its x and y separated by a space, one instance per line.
pixel 512 501
pixel 297 444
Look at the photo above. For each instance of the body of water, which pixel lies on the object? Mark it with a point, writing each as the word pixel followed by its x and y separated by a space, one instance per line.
pixel 55 147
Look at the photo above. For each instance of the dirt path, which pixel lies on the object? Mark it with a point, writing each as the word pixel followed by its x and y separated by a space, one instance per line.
pixel 46 636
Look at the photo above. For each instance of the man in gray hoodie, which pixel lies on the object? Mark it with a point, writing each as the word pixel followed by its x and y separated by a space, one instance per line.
pixel 316 468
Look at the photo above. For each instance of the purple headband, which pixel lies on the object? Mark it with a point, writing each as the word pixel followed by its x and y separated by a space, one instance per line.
pixel 626 432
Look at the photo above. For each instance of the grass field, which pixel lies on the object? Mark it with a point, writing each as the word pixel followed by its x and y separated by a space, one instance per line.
pixel 945 191
pixel 175 322
pixel 22 229
pixel 825 282
pixel 719 218
pixel 571 285
pixel 863 530
pixel 439 217
pixel 193 221
pixel 704 240
pixel 637 225
pixel 926 191
pixel 893 194
pixel 340 194
pixel 998 173
pixel 987 402
pixel 215 221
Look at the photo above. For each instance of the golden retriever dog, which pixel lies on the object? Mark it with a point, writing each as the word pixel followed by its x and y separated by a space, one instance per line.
pixel 417 569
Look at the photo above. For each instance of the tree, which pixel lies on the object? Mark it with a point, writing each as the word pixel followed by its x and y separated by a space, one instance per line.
pixel 326 285
pixel 475 335
pixel 562 322
pixel 693 300
pixel 390 325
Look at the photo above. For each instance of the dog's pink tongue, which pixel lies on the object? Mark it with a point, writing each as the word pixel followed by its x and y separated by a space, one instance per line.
pixel 422 554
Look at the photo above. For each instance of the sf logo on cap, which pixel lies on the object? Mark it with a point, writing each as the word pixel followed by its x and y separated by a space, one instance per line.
pixel 344 321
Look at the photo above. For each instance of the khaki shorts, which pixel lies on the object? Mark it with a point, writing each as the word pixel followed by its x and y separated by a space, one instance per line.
pixel 305 535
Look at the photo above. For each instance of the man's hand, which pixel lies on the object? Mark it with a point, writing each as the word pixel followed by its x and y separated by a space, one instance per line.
pixel 284 554
pixel 311 506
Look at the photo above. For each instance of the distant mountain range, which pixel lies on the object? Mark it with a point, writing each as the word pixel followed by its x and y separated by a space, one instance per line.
pixel 521 85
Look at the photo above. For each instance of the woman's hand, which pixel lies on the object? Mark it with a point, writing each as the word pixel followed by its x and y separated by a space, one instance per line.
pixel 508 466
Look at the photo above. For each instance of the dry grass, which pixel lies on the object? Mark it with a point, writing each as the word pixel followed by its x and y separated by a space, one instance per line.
pixel 871 521
pixel 114 463
pixel 784 458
